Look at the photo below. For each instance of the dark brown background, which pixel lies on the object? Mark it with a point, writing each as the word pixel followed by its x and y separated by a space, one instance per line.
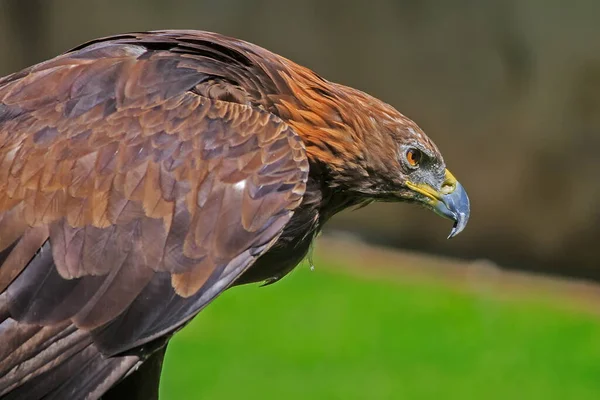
pixel 509 90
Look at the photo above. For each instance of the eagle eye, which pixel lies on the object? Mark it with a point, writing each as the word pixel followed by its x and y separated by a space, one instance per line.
pixel 413 157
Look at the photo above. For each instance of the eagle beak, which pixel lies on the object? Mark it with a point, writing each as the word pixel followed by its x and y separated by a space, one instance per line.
pixel 451 201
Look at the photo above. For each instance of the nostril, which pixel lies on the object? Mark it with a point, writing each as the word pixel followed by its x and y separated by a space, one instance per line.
pixel 448 187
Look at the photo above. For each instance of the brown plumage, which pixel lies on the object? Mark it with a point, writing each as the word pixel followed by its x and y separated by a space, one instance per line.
pixel 143 174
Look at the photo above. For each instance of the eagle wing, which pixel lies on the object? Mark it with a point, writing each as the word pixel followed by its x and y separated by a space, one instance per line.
pixel 128 201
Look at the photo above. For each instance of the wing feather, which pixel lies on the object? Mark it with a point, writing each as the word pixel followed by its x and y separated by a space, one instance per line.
pixel 127 203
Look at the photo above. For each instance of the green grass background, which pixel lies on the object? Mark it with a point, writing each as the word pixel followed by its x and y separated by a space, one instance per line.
pixel 330 334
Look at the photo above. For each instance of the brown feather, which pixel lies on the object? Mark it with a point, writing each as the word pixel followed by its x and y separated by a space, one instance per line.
pixel 20 255
pixel 143 174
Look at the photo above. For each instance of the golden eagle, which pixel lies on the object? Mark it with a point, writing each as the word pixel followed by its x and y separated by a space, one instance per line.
pixel 143 174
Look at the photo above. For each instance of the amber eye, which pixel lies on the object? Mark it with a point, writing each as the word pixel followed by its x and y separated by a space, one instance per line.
pixel 413 156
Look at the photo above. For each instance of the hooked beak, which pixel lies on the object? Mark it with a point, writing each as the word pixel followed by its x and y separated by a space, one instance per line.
pixel 451 201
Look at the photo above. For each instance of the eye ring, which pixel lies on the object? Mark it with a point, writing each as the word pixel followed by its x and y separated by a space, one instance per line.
pixel 414 157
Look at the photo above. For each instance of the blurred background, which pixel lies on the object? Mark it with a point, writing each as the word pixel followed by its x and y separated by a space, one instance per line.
pixel 509 90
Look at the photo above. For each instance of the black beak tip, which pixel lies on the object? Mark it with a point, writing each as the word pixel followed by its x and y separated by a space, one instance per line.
pixel 459 225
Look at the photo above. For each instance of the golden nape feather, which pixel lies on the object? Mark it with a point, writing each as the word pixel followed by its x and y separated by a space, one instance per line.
pixel 143 174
